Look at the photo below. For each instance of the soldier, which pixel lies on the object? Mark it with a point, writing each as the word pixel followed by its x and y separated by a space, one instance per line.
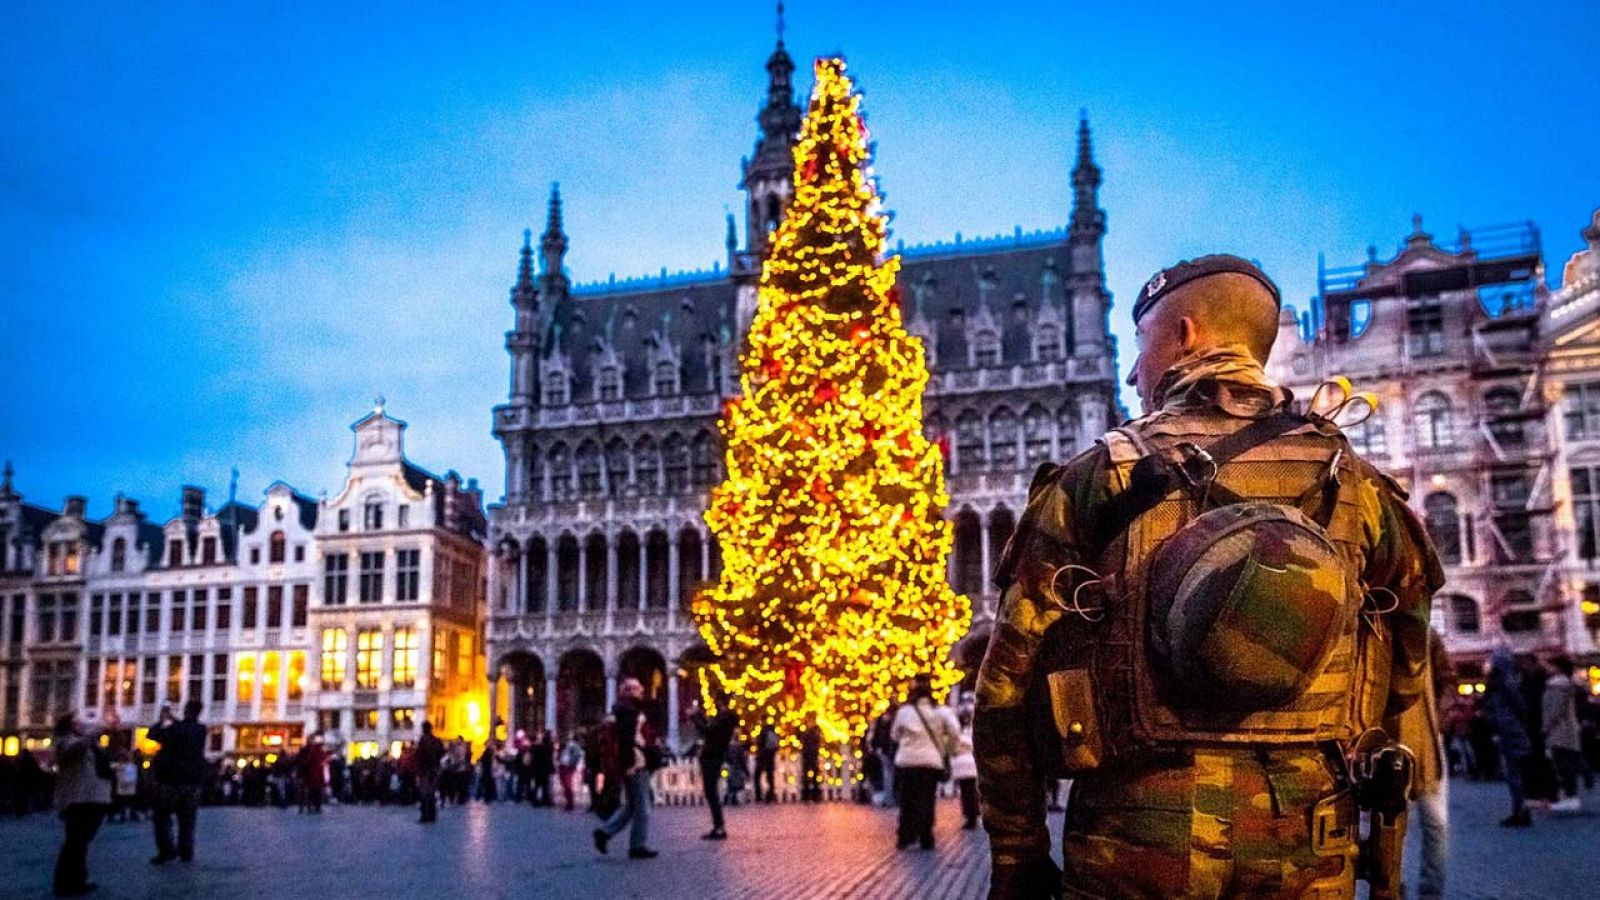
pixel 1200 614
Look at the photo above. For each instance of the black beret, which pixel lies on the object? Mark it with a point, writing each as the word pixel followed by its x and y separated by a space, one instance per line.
pixel 1167 280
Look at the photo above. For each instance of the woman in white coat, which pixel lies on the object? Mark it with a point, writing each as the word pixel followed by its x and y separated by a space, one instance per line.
pixel 927 734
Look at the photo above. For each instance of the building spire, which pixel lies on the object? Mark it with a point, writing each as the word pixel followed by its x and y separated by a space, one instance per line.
pixel 780 23
pixel 6 490
pixel 553 243
pixel 1087 218
pixel 525 265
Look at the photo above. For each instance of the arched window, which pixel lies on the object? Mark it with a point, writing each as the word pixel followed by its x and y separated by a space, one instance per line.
pixel 1444 526
pixel 1368 436
pixel 1036 436
pixel 969 442
pixel 617 466
pixel 589 469
pixel 1067 431
pixel 675 451
pixel 646 466
pixel 1003 439
pixel 372 514
pixel 703 458
pixel 968 553
pixel 119 554
pixel 1001 524
pixel 567 573
pixel 1464 615
pixel 275 547
pixel 1434 428
pixel 986 349
pixel 560 465
pixel 666 378
pixel 610 383
pixel 1504 407
pixel 1047 343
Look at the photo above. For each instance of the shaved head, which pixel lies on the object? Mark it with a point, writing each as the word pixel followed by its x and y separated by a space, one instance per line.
pixel 1221 309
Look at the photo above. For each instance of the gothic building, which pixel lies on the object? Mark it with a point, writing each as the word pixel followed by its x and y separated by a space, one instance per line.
pixel 610 429
pixel 1483 378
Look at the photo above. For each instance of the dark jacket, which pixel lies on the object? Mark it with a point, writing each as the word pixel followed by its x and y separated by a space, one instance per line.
pixel 1502 705
pixel 181 761
pixel 430 751
pixel 715 734
pixel 625 716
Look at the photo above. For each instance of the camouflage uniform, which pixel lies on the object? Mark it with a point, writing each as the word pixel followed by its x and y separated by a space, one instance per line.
pixel 1202 820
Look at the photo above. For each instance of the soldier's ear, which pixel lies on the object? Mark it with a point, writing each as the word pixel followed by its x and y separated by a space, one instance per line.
pixel 1188 335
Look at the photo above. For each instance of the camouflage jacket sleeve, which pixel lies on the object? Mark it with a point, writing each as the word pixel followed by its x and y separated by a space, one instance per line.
pixel 1011 787
pixel 1403 561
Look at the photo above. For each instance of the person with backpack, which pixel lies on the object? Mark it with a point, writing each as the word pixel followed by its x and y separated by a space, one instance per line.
pixel 1197 613
pixel 632 758
pixel 926 734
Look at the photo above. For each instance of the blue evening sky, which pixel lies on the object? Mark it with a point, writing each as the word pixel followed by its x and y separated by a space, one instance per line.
pixel 225 228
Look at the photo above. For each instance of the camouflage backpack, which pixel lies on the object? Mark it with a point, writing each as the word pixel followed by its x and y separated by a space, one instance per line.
pixel 1226 607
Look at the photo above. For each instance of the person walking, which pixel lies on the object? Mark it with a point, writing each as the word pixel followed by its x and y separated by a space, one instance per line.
pixel 1502 707
pixel 567 768
pixel 83 794
pixel 486 762
pixel 1562 735
pixel 630 767
pixel 311 770
pixel 964 770
pixel 716 732
pixel 926 734
pixel 179 770
pixel 429 755
pixel 767 763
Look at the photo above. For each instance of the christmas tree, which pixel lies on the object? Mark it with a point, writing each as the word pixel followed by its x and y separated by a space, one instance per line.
pixel 833 592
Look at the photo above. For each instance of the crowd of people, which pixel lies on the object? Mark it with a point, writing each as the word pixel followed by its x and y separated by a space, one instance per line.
pixel 1535 728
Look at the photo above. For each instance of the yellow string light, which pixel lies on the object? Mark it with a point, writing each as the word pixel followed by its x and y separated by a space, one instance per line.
pixel 833 592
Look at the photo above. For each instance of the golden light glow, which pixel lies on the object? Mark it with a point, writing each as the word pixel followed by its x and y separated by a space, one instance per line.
pixel 12 747
pixel 833 592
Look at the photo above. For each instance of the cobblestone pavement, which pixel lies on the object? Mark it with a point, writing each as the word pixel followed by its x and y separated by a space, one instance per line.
pixel 789 852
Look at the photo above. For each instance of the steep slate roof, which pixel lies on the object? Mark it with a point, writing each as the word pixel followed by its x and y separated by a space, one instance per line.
pixel 1011 274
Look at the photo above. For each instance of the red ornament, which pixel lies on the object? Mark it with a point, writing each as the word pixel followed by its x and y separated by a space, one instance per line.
pixel 772 367
pixel 810 170
pixel 860 334
pixel 871 432
pixel 826 392
pixel 903 440
pixel 894 296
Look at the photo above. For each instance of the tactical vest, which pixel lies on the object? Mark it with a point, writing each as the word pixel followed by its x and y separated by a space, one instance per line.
pixel 1122 692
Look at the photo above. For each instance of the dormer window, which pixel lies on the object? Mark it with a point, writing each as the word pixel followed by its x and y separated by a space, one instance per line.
pixel 666 380
pixel 1047 344
pixel 208 550
pixel 174 553
pixel 275 547
pixel 344 520
pixel 71 557
pixel 986 349
pixel 119 555
pixel 372 515
pixel 610 384
pixel 555 389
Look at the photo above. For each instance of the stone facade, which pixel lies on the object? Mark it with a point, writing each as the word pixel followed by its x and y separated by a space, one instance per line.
pixel 1462 344
pixel 233 607
pixel 611 444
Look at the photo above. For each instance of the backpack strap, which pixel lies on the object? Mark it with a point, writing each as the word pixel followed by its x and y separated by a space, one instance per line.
pixel 1153 477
